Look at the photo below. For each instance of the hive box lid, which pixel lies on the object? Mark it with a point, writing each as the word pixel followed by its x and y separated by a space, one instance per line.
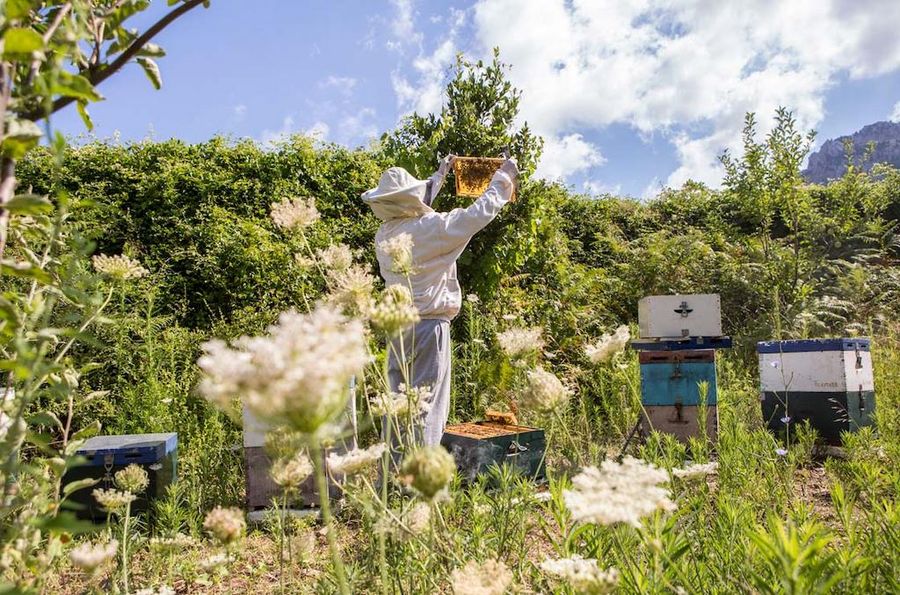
pixel 689 344
pixel 128 448
pixel 811 345
pixel 680 316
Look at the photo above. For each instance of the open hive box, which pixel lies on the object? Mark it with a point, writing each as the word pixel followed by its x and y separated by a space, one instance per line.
pixel 473 175
pixel 476 446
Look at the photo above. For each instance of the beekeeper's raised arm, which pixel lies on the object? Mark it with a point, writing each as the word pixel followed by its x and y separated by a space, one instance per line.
pixel 434 184
pixel 459 225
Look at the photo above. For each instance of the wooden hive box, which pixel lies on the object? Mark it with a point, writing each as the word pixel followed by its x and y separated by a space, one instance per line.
pixel 105 455
pixel 828 382
pixel 477 446
pixel 677 316
pixel 670 392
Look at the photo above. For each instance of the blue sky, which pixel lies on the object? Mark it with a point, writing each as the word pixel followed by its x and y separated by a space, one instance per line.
pixel 630 96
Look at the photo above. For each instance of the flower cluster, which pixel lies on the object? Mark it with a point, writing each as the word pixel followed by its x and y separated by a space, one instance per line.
pixel 336 257
pixel 618 493
pixel 396 310
pixel 428 470
pixel 175 543
pixel 518 343
pixel 413 398
pixel 113 500
pixel 352 290
pixel 291 472
pixel 608 345
pixel 415 521
pixel 583 575
pixel 225 524
pixel 118 267
pixel 491 577
pixel 90 556
pixel 399 250
pixel 132 478
pixel 543 391
pixel 296 376
pixel 356 460
pixel 294 213
pixel 696 471
pixel 162 590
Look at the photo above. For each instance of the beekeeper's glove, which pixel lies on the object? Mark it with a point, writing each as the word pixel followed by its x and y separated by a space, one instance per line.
pixel 510 168
pixel 446 164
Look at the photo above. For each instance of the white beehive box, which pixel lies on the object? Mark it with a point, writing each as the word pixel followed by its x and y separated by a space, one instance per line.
pixel 816 366
pixel 679 316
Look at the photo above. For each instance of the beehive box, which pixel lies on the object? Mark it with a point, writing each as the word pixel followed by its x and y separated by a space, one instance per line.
pixel 828 382
pixel 105 455
pixel 670 392
pixel 477 446
pixel 473 175
pixel 678 316
pixel 261 488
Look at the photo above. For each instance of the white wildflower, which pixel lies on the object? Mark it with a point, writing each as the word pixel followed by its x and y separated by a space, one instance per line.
pixel 210 563
pixel 291 472
pixel 509 317
pixel 414 521
pixel 472 299
pixel 162 590
pixel 428 470
pixel 618 493
pixel 227 525
pixel 303 262
pixel 113 500
pixel 294 213
pixel 91 556
pixel 132 478
pixel 406 399
pixel 396 310
pixel 520 342
pixel 175 543
pixel 608 345
pixel 336 257
pixel 352 290
pixel 543 391
pixel 296 376
pixel 399 250
pixel 418 518
pixel 696 470
pixel 491 577
pixel 118 267
pixel 356 460
pixel 582 574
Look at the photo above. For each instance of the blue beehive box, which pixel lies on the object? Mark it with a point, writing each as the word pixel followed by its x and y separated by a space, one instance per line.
pixel 103 456
pixel 827 382
pixel 670 392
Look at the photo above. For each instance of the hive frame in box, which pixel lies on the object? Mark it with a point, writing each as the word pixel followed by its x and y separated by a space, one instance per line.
pixel 473 175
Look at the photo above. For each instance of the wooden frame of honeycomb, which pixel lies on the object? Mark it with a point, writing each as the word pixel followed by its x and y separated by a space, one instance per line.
pixel 473 175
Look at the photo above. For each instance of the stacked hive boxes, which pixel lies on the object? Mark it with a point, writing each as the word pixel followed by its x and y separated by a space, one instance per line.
pixel 679 335
pixel 827 382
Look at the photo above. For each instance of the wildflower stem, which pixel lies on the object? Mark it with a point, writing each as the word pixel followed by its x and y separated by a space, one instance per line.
pixel 315 451
pixel 125 548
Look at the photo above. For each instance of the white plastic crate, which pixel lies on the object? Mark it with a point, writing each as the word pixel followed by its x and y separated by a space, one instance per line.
pixel 679 316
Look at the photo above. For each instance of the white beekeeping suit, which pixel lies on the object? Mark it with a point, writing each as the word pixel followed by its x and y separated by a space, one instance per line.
pixel 403 203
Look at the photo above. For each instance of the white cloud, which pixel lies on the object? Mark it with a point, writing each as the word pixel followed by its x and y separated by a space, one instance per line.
pixel 239 111
pixel 357 128
pixel 566 155
pixel 597 187
pixel 403 27
pixel 318 131
pixel 342 84
pixel 688 69
pixel 425 93
pixel 269 138
pixel 895 114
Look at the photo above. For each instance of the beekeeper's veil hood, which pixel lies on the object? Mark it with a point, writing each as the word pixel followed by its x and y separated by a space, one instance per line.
pixel 398 196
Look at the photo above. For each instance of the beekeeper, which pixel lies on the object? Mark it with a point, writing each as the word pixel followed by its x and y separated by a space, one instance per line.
pixel 403 204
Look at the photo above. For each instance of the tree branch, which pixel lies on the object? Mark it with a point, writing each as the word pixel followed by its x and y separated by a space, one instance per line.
pixel 99 76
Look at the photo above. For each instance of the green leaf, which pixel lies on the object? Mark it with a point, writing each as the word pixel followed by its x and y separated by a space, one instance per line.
pixel 75 86
pixel 173 2
pixel 73 446
pixel 151 49
pixel 85 116
pixel 45 418
pixel 65 522
pixel 28 204
pixel 21 137
pixel 16 9
pixel 41 441
pixel 25 270
pixel 19 40
pixel 79 485
pixel 86 432
pixel 151 70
